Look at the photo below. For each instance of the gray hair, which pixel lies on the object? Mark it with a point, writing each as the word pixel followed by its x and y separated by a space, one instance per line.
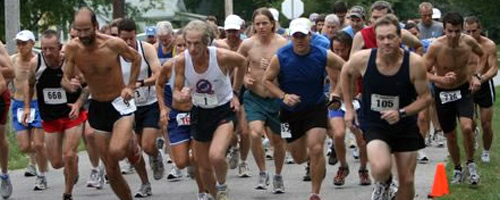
pixel 201 27
pixel 425 5
pixel 164 28
pixel 332 19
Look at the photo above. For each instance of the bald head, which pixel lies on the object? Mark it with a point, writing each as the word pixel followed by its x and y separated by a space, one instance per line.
pixel 86 15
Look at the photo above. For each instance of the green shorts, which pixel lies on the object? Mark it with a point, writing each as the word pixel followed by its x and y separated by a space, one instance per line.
pixel 263 109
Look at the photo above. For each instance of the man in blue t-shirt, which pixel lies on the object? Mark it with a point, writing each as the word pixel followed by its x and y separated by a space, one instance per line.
pixel 299 68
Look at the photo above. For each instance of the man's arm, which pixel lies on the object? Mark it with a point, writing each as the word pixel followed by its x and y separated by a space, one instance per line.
pixel 128 54
pixel 154 63
pixel 410 40
pixel 419 78
pixel 163 77
pixel 491 59
pixel 334 66
pixel 179 67
pixel 29 89
pixel 6 67
pixel 430 61
pixel 357 43
pixel 270 75
pixel 69 70
pixel 234 61
pixel 347 74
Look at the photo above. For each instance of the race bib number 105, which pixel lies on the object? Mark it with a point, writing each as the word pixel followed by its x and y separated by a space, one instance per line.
pixel 384 102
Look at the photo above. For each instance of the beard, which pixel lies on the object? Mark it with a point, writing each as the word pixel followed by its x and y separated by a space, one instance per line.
pixel 88 40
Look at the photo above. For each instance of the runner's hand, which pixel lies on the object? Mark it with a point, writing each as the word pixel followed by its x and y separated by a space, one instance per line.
pixel 74 85
pixel 449 78
pixel 248 81
pixel 475 84
pixel 235 104
pixel 164 116
pixel 350 119
pixel 25 117
pixel 391 116
pixel 75 110
pixel 127 93
pixel 185 94
pixel 264 63
pixel 291 100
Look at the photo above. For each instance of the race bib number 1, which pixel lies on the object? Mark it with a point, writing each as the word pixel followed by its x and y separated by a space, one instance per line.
pixel 203 99
pixel 124 107
pixel 450 96
pixel 285 131
pixel 20 112
pixel 54 96
pixel 384 102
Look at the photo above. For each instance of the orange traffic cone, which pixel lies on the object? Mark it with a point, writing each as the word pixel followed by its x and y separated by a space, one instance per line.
pixel 440 186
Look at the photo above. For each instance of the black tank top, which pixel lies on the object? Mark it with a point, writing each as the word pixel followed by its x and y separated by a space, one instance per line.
pixel 52 99
pixel 381 92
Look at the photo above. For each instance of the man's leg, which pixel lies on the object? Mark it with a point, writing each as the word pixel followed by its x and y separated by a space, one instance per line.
pixel 256 132
pixel 279 152
pixel 24 141
pixel 205 169
pixel 245 139
pixel 339 145
pixel 315 141
pixel 70 150
pixel 4 150
pixel 363 157
pixel 453 149
pixel 468 137
pixel 217 151
pixel 180 154
pixel 120 147
pixel 39 148
pixel 89 139
pixel 486 119
pixel 140 166
pixel 406 164
pixel 379 156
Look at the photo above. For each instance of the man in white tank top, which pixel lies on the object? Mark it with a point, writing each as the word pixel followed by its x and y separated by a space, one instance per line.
pixel 147 114
pixel 205 69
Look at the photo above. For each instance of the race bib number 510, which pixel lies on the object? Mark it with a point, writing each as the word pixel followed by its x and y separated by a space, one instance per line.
pixel 384 102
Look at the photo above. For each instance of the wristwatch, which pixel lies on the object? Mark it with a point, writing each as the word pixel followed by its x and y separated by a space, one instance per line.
pixel 402 113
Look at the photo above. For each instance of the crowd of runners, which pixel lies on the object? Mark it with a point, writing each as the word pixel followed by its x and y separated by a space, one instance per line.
pixel 203 96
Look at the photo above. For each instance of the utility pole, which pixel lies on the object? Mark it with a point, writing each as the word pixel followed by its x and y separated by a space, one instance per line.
pixel 229 7
pixel 12 23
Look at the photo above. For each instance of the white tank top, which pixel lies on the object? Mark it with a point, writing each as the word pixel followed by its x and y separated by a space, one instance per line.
pixel 145 95
pixel 212 88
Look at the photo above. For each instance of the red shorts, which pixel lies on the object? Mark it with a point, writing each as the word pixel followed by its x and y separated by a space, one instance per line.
pixel 60 125
pixel 6 99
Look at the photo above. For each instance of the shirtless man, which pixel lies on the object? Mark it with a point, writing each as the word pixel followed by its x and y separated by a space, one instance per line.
pixel 487 69
pixel 92 58
pixel 232 27
pixel 388 115
pixel 30 136
pixel 59 110
pixel 147 116
pixel 261 106
pixel 454 82
pixel 6 73
pixel 206 71
pixel 299 68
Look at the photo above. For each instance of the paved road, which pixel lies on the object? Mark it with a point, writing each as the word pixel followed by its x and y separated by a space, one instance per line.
pixel 239 188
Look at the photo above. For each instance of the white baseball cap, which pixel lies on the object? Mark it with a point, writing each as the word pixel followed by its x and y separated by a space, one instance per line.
pixel 25 35
pixel 276 14
pixel 436 13
pixel 301 25
pixel 232 22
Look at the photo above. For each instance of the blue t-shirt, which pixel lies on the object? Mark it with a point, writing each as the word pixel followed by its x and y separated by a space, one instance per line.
pixel 302 75
pixel 349 31
pixel 320 40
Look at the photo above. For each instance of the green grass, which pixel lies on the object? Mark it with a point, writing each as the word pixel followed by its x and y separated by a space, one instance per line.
pixel 490 173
